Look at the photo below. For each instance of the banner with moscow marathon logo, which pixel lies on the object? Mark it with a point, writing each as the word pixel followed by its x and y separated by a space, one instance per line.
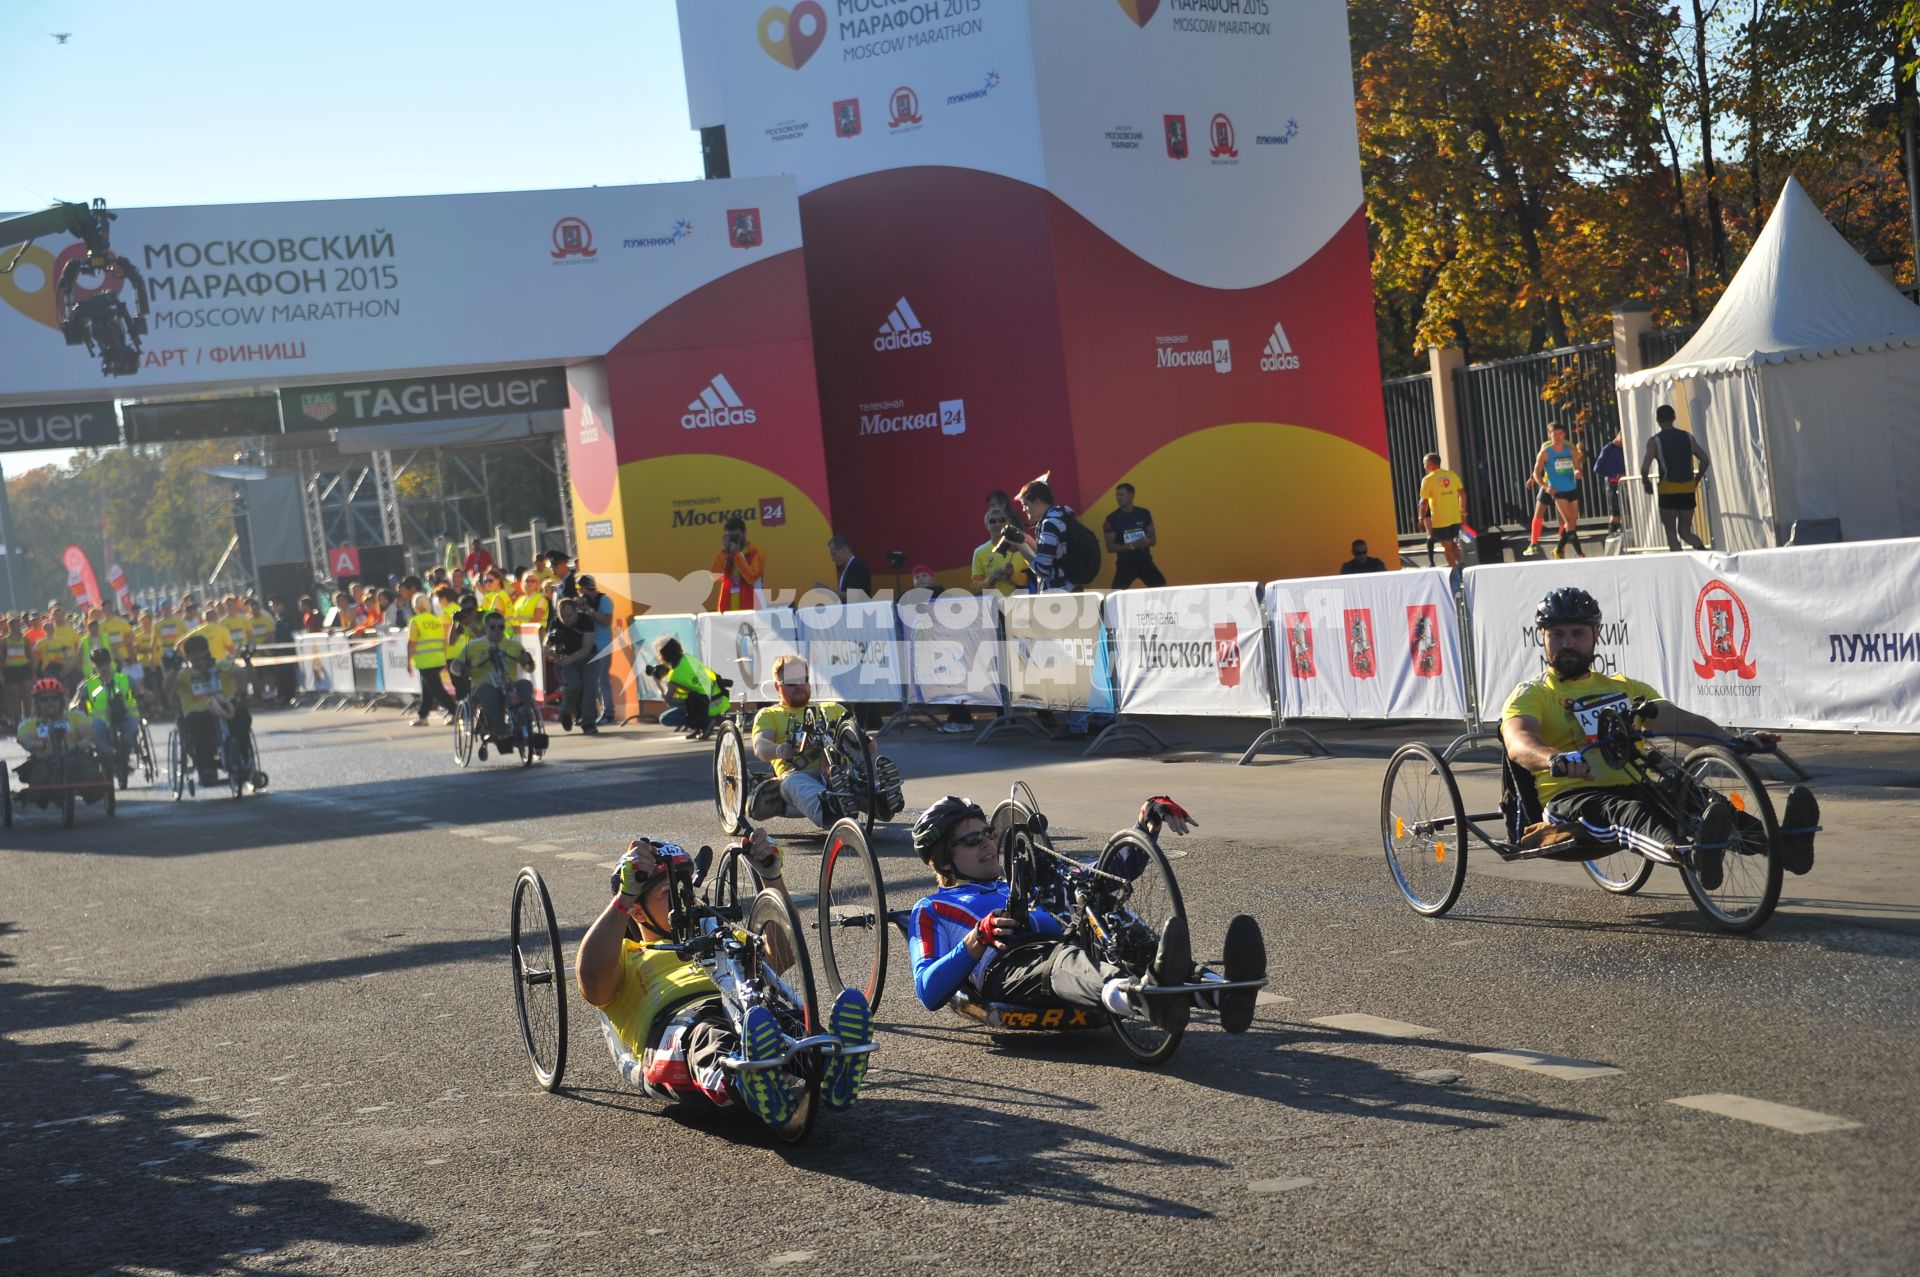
pixel 65 425
pixel 1379 645
pixel 412 400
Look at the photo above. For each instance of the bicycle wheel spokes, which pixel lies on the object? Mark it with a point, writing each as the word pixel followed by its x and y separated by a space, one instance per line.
pixel 1423 828
pixel 852 914
pixel 1750 875
pixel 786 978
pixel 1622 873
pixel 539 979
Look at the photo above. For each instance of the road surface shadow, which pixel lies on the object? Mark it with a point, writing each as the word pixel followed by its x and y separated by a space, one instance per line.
pixel 107 1172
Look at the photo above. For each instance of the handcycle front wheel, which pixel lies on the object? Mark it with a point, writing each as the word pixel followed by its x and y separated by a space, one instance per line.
pixel 539 978
pixel 1750 869
pixel 176 771
pixel 1145 905
pixel 856 751
pixel 147 767
pixel 730 778
pixel 463 734
pixel 1423 828
pixel 852 919
pixel 786 974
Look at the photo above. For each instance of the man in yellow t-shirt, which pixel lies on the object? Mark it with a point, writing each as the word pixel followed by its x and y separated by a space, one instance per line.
pixel 1443 500
pixel 802 787
pixel 219 638
pixel 1551 724
pixel 494 664
pixel 663 1018
pixel 994 568
pixel 58 651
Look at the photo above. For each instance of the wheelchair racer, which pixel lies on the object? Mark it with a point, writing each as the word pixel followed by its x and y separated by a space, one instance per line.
pixel 205 690
pixel 799 765
pixel 485 661
pixel 968 932
pixel 1550 720
pixel 664 1019
pixel 108 696
pixel 51 718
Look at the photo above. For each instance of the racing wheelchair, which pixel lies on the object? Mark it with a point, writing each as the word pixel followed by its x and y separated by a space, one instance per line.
pixel 752 949
pixel 1114 908
pixel 525 737
pixel 239 764
pixel 74 774
pixel 1426 828
pixel 859 780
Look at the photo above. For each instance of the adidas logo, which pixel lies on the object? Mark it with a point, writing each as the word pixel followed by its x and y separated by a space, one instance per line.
pixel 902 329
pixel 717 405
pixel 1279 356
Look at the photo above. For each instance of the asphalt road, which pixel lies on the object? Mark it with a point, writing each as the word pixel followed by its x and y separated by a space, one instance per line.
pixel 278 1036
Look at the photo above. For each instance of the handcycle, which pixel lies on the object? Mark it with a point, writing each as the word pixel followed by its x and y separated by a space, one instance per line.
pixel 239 762
pixel 1114 908
pixel 75 774
pixel 752 949
pixel 1426 829
pixel 524 736
pixel 743 790
pixel 139 751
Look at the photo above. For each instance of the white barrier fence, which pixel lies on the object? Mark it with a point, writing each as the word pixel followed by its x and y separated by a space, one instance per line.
pixel 1811 637
pixel 1370 645
pixel 1198 650
pixel 1050 645
pixel 743 646
pixel 952 650
pixel 853 651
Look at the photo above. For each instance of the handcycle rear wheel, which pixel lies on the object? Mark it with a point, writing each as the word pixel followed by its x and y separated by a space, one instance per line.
pixel 1750 869
pixel 852 918
pixel 1149 901
pixel 1622 873
pixel 856 751
pixel 230 759
pixel 730 779
pixel 176 771
pixel 523 735
pixel 1423 828
pixel 786 974
pixel 146 752
pixel 463 733
pixel 539 979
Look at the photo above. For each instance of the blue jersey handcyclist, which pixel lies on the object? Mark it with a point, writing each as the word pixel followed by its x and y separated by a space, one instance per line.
pixel 968 933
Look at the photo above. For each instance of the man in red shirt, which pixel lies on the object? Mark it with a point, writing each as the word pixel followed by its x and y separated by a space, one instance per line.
pixel 478 561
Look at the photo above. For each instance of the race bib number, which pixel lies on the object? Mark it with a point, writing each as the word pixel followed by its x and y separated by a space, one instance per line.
pixel 1134 536
pixel 206 686
pixel 1587 712
pixel 43 731
pixel 1563 466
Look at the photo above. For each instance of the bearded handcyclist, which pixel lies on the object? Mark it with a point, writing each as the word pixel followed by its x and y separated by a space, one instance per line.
pixel 799 767
pixel 664 1019
pixel 1550 721
pixel 969 932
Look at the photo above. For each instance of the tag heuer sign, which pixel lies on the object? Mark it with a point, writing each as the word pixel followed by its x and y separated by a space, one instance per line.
pixel 412 400
pixel 599 529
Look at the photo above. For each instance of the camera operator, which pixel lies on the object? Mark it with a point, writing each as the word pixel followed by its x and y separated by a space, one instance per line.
pixel 695 695
pixel 739 568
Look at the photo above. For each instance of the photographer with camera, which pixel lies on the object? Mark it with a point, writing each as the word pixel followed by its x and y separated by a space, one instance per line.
pixel 695 695
pixel 1063 552
pixel 739 568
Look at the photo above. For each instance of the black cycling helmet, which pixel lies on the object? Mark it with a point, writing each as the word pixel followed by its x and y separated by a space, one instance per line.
pixel 195 645
pixel 101 656
pixel 1567 604
pixel 937 821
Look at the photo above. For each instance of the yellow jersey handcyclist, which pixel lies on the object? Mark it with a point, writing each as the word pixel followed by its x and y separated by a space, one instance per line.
pixel 798 763
pixel 52 726
pixel 494 663
pixel 209 703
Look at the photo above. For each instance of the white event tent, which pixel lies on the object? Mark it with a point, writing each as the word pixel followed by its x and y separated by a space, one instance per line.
pixel 1804 386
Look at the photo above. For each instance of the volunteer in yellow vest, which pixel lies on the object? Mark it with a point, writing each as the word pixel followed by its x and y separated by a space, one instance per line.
pixel 1443 501
pixel 58 651
pixel 532 607
pixel 108 696
pixel 16 670
pixel 427 656
pixel 695 695
pixel 495 597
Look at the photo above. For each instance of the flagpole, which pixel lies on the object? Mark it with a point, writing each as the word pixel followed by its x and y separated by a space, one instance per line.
pixel 8 550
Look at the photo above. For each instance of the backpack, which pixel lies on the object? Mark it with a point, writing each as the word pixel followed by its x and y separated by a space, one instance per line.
pixel 1082 559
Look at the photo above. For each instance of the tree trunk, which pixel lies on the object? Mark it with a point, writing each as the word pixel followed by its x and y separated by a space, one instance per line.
pixel 1684 216
pixel 1716 218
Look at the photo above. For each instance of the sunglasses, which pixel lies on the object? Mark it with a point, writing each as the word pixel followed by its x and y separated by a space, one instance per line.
pixel 973 839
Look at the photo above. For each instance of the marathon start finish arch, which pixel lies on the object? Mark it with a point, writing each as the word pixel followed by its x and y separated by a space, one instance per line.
pixel 1120 241
pixel 669 324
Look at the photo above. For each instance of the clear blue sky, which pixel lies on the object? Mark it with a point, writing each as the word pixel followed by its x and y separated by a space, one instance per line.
pixel 220 102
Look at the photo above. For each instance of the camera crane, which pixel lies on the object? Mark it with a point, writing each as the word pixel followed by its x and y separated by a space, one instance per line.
pixel 101 322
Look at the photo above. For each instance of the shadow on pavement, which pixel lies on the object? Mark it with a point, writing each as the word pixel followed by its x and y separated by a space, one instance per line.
pixel 106 1172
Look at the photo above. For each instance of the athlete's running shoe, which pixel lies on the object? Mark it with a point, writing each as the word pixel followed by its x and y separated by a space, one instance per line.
pixel 763 1091
pixel 1245 958
pixel 1799 820
pixel 850 1020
